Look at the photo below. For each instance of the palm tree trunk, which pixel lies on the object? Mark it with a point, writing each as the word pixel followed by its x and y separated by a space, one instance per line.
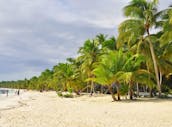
pixel 130 92
pixel 160 78
pixel 137 89
pixel 118 91
pixel 110 90
pixel 154 63
pixel 144 89
pixel 101 89
pixel 150 92
pixel 92 88
pixel 155 67
pixel 77 92
pixel 87 87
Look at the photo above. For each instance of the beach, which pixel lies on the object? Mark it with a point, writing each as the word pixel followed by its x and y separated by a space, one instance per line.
pixel 35 109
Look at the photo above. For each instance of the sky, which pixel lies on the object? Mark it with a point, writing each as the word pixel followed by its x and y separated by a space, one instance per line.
pixel 38 34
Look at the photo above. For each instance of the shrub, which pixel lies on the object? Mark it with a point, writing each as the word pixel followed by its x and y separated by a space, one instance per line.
pixel 70 90
pixel 59 94
pixel 68 96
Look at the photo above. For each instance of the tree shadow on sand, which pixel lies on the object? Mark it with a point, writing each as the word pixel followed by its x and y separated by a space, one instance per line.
pixel 147 99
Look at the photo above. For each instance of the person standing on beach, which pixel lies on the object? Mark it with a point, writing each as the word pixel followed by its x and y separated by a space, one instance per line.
pixel 7 93
pixel 18 92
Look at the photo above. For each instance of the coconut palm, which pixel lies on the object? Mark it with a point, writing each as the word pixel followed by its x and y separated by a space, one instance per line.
pixel 69 76
pixel 106 69
pixel 78 83
pixel 64 75
pixel 63 72
pixel 131 73
pixel 33 83
pixel 110 44
pixel 88 56
pixel 164 60
pixel 44 79
pixel 166 25
pixel 116 67
pixel 142 16
pixel 101 38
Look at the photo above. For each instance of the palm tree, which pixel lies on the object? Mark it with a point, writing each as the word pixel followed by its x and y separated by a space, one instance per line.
pixel 116 67
pixel 68 76
pixel 142 16
pixel 101 38
pixel 164 49
pixel 164 60
pixel 78 83
pixel 33 83
pixel 131 73
pixel 144 50
pixel 44 79
pixel 106 69
pixel 88 56
pixel 166 25
pixel 64 74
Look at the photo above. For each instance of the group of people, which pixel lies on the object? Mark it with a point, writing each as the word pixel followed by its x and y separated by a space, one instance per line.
pixel 17 92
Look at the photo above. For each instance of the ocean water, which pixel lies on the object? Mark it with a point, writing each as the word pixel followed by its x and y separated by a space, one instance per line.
pixel 9 101
pixel 3 92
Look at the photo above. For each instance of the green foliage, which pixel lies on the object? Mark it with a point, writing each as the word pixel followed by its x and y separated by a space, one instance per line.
pixel 129 32
pixel 59 93
pixel 68 95
pixel 123 89
pixel 70 90
pixel 107 68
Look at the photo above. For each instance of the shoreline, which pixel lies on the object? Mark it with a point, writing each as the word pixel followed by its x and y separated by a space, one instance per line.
pixel 12 100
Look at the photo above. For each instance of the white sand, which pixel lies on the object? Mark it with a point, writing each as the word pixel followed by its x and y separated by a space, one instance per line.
pixel 47 110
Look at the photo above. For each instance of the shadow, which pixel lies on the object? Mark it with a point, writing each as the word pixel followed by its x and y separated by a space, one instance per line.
pixel 145 99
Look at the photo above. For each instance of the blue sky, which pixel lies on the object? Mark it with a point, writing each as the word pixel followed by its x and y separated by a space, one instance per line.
pixel 37 34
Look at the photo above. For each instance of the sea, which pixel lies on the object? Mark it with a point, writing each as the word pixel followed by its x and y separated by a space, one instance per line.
pixel 4 91
pixel 9 100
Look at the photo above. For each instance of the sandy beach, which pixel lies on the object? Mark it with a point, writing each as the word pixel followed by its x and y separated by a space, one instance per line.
pixel 34 109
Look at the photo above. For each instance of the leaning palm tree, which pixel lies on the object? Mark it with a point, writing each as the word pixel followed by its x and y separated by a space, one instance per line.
pixel 142 14
pixel 144 50
pixel 164 60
